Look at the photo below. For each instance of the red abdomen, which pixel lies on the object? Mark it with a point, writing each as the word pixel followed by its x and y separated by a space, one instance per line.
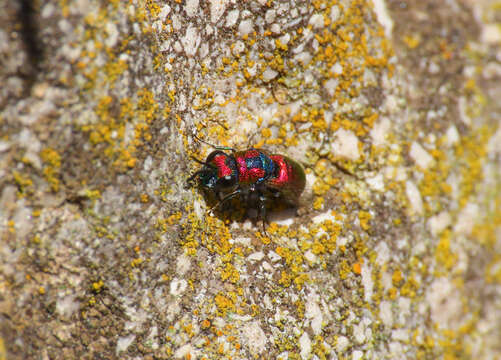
pixel 290 179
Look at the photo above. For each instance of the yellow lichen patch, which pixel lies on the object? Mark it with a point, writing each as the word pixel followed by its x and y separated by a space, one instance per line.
pixel 52 164
pixel 36 240
pixel 229 272
pixel 452 345
pixel 103 131
pixel 266 240
pixel 443 254
pixel 190 239
pixel 23 182
pixel 472 152
pixel 92 194
pixel 318 203
pixel 434 186
pixel 285 279
pixel 323 240
pixel 344 269
pixel 136 262
pixel 114 69
pixel 173 219
pixel 109 132
pixel 397 277
pixel 3 351
pixel 364 218
pixel 294 260
pixel 11 226
pixel 410 287
pixel 225 303
pixel 392 293
pixel 97 286
pixel 275 229
pixel 320 347
pixel 486 231
pixel 147 107
pixel 115 115
pixel 412 41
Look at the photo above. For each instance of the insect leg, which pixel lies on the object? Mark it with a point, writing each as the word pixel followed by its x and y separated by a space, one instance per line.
pixel 262 211
pixel 226 198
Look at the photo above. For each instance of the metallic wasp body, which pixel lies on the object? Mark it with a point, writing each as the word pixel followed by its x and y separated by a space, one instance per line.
pixel 254 176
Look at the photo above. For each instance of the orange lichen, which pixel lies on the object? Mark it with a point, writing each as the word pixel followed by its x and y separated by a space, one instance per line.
pixel 357 268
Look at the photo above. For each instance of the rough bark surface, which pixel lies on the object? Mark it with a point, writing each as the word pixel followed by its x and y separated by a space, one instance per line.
pixel 392 108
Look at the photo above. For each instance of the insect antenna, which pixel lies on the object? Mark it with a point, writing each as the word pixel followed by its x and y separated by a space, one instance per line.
pixel 220 123
pixel 214 146
pixel 203 162
pixel 249 141
pixel 345 170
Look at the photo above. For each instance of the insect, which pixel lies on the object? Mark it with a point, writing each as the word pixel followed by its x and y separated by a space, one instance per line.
pixel 253 175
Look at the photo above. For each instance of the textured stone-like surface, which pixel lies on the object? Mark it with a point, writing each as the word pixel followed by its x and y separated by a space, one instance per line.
pixel 391 107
